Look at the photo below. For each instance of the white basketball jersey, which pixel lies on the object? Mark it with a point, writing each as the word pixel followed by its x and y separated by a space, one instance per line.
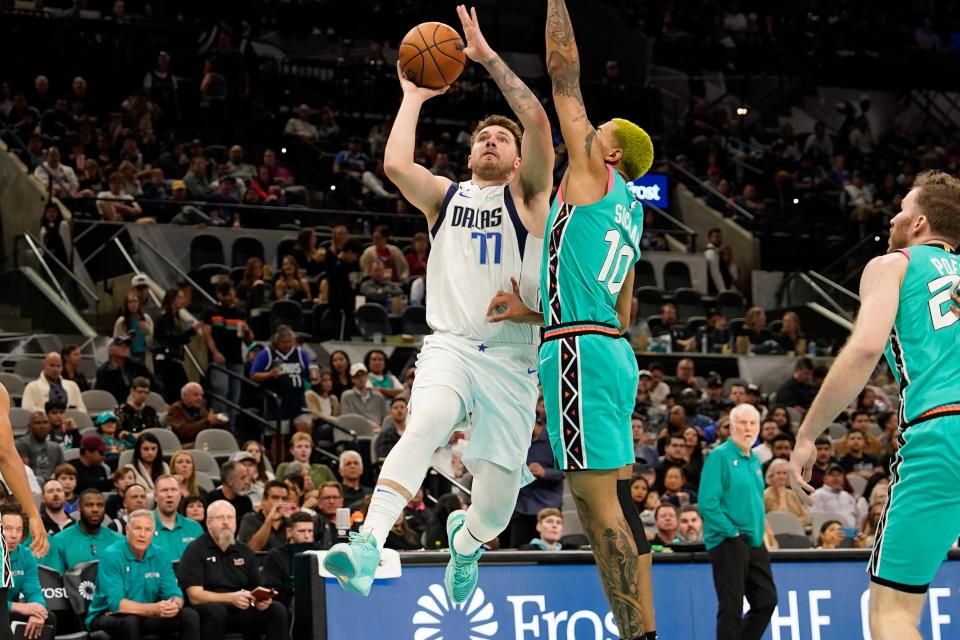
pixel 479 244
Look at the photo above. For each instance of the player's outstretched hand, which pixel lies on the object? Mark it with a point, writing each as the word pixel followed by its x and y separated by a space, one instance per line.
pixel 410 89
pixel 801 466
pixel 39 546
pixel 507 306
pixel 477 48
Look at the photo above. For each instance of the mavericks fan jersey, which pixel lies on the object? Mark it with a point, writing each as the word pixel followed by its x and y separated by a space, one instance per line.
pixel 922 351
pixel 289 385
pixel 589 251
pixel 479 244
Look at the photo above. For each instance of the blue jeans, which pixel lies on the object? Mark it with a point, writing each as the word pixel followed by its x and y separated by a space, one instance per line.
pixel 227 387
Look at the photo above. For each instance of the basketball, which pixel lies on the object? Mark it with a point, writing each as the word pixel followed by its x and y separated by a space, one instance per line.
pixel 431 55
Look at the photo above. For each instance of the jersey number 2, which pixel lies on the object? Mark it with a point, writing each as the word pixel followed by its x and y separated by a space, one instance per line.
pixel 945 285
pixel 611 272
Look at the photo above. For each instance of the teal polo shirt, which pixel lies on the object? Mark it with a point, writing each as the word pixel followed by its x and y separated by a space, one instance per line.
pixel 123 576
pixel 175 540
pixel 73 545
pixel 731 496
pixel 26 577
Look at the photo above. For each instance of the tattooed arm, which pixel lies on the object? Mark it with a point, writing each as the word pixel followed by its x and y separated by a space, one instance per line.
pixel 536 169
pixel 586 177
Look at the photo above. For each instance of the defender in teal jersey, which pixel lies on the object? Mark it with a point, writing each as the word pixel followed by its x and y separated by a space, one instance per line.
pixel 587 371
pixel 905 311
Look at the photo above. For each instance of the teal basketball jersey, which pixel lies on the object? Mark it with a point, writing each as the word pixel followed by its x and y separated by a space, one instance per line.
pixel 922 350
pixel 587 254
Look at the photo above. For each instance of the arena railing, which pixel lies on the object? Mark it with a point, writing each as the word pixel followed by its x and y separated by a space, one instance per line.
pixel 156 300
pixel 706 186
pixel 264 423
pixel 255 385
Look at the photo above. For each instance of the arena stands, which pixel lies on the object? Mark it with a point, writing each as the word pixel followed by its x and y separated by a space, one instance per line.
pixel 210 189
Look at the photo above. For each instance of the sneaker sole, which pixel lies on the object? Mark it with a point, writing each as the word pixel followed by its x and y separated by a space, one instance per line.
pixel 342 566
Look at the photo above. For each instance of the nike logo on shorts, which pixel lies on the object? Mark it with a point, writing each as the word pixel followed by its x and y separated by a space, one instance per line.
pixel 531 371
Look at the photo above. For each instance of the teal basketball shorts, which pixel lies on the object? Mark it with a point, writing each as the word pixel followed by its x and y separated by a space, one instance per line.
pixel 921 519
pixel 589 380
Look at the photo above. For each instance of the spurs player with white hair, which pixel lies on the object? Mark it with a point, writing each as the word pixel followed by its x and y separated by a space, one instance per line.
pixel 487 236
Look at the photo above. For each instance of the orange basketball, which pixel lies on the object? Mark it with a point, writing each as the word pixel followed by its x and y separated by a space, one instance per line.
pixel 431 55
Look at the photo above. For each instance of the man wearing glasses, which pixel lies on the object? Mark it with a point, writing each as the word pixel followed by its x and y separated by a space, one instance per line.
pixel 330 499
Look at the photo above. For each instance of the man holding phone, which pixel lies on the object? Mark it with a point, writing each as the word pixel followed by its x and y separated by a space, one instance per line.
pixel 263 530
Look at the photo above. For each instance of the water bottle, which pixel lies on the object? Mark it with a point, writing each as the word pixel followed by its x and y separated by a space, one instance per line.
pixel 704 343
pixel 389 304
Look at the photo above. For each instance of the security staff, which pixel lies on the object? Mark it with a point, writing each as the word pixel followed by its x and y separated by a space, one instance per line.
pixel 137 592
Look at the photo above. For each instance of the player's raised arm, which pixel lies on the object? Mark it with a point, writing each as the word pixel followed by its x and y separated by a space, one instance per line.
pixel 11 466
pixel 879 295
pixel 424 190
pixel 536 169
pixel 563 64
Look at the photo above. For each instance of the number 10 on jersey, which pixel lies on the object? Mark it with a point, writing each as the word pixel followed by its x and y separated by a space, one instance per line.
pixel 485 238
pixel 612 273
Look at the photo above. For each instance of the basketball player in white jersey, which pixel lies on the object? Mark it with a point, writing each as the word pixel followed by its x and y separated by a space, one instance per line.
pixel 485 232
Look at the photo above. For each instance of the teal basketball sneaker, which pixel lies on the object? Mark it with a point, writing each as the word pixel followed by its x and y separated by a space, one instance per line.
pixel 462 572
pixel 354 564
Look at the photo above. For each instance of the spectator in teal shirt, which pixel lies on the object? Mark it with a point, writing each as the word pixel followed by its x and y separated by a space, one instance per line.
pixel 84 541
pixel 173 531
pixel 26 577
pixel 137 592
pixel 731 503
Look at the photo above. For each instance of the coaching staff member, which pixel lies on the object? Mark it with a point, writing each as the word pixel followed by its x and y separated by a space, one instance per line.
pixel 217 574
pixel 731 503
pixel 137 592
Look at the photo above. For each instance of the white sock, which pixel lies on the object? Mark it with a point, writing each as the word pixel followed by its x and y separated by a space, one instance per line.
pixel 385 508
pixel 493 499
pixel 434 413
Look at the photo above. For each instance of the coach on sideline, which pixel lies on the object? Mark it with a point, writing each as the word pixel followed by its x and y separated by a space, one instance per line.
pixel 137 592
pixel 731 503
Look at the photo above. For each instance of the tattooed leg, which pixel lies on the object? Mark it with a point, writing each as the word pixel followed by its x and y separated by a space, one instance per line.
pixel 623 574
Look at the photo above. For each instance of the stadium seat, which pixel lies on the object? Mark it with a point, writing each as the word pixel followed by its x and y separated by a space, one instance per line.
pixel 817 520
pixel 98 401
pixel 676 275
pixel 644 275
pixel 285 248
pixel 204 275
pixel 244 248
pixel 203 461
pixel 19 419
pixel 88 431
pixel 205 249
pixel 775 326
pixel 730 304
pixel 287 312
pixel 83 420
pixel 859 483
pixel 414 321
pixel 571 523
pixel 735 326
pixel 69 455
pixel 373 319
pixel 169 442
pixel 13 383
pixel 695 323
pixel 356 423
pixel 785 522
pixel 156 401
pixel 572 540
pixel 219 443
pixel 689 303
pixel 207 482
pixel 792 541
pixel 837 430
pixel 31 368
pixel 649 300
pixel 236 274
